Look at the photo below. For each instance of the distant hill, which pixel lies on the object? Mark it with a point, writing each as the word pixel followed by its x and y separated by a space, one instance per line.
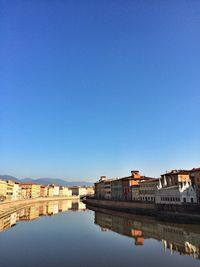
pixel 46 181
pixel 9 177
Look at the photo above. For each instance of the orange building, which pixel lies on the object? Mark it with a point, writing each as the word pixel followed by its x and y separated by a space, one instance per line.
pixel 30 190
pixel 43 191
pixel 128 182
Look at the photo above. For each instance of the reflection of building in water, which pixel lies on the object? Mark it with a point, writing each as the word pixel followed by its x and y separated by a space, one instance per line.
pixel 39 209
pixel 13 219
pixel 43 209
pixel 30 213
pixel 55 207
pixel 77 205
pixel 74 205
pixel 105 222
pixel 81 206
pixel 5 223
pixel 64 205
pixel 52 207
pixel 184 239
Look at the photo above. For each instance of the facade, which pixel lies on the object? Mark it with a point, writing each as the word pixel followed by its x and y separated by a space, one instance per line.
pixel 43 191
pixel 9 192
pixel 128 182
pixel 99 188
pixel 53 190
pixel 3 189
pixel 30 190
pixel 16 191
pixel 103 188
pixel 90 190
pixel 135 193
pixel 175 187
pixel 78 190
pixel 64 191
pixel 50 191
pixel 107 189
pixel 147 189
pixel 195 178
pixel 116 189
pixel 56 190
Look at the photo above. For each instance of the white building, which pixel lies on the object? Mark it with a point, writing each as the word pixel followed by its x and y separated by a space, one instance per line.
pixel 78 190
pixel 175 187
pixel 16 191
pixel 147 189
pixel 56 190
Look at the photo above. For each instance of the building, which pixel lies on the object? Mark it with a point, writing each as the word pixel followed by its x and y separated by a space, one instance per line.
pixel 116 189
pixel 43 191
pixel 175 187
pixel 13 191
pixel 56 191
pixel 195 178
pixel 78 190
pixel 147 189
pixel 30 190
pixel 128 182
pixel 3 190
pixel 16 191
pixel 9 192
pixel 53 190
pixel 64 191
pixel 90 190
pixel 135 193
pixel 103 188
pixel 50 191
pixel 99 188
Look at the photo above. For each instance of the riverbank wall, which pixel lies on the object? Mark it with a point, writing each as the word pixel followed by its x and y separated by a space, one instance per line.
pixel 178 214
pixel 8 207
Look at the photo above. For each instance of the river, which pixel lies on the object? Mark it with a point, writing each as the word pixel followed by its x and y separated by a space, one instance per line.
pixel 65 233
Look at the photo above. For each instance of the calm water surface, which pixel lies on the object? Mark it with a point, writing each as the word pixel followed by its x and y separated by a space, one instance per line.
pixel 65 233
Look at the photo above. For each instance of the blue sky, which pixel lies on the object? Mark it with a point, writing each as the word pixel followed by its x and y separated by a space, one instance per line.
pixel 92 88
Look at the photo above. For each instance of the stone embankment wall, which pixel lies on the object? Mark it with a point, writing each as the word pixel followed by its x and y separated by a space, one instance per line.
pixel 178 214
pixel 8 207
pixel 128 206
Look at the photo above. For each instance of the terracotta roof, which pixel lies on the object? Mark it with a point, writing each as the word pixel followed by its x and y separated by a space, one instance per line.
pixel 29 183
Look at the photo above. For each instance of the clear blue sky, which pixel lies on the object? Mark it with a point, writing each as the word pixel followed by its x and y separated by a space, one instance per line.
pixel 92 88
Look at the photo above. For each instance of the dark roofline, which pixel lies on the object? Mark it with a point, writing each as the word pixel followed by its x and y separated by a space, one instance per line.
pixel 172 172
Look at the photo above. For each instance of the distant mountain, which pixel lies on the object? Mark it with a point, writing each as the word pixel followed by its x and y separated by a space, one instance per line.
pixel 9 177
pixel 46 181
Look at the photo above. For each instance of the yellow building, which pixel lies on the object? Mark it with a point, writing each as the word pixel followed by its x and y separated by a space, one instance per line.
pixel 50 191
pixel 90 190
pixel 3 189
pixel 9 191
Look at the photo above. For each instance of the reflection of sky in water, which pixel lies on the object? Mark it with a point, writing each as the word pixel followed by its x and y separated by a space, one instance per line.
pixel 72 238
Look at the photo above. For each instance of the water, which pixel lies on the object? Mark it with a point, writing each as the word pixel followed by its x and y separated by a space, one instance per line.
pixel 64 233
